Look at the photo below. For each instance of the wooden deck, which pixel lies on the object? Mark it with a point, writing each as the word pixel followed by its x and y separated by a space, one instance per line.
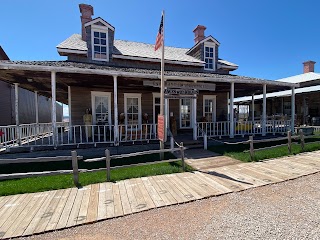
pixel 28 214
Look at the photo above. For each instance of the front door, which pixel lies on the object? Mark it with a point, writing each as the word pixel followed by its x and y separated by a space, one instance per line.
pixel 185 113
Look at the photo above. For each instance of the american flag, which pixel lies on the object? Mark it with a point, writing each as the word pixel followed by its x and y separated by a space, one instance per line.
pixel 159 39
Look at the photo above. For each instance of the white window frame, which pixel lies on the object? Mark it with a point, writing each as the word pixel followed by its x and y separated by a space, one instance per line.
pixel 93 106
pixel 133 95
pixel 191 114
pixel 210 45
pixel 155 95
pixel 96 28
pixel 214 98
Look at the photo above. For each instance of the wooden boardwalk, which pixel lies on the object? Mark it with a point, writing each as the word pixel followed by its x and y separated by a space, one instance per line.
pixel 27 214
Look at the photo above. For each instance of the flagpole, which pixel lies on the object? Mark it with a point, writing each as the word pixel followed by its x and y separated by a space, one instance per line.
pixel 162 84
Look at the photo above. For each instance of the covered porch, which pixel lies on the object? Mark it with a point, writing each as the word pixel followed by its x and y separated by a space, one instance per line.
pixel 113 105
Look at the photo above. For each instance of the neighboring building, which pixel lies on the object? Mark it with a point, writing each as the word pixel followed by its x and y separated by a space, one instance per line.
pixel 119 81
pixel 307 104
pixel 27 108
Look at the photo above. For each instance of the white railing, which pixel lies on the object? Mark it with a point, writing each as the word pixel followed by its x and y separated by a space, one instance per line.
pixel 41 134
pixel 316 129
pixel 241 128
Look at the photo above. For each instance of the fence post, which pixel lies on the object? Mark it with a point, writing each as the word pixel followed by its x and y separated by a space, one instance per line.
pixel 75 167
pixel 205 141
pixel 182 156
pixel 251 148
pixel 301 139
pixel 107 152
pixel 289 142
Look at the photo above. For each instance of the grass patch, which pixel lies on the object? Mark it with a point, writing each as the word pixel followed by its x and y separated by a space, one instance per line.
pixel 38 184
pixel 236 151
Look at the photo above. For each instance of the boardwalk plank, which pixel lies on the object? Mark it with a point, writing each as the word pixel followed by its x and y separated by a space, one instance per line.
pixel 131 196
pixel 63 197
pixel 175 192
pixel 102 207
pixel 67 209
pixel 221 188
pixel 141 203
pixel 28 217
pixel 109 200
pixel 145 193
pixel 188 178
pixel 124 198
pixel 196 179
pixel 118 211
pixel 262 167
pixel 93 204
pixel 17 218
pixel 156 198
pixel 72 220
pixel 12 214
pixel 161 189
pixel 49 212
pixel 185 188
pixel 82 215
pixel 7 209
pixel 4 200
pixel 37 218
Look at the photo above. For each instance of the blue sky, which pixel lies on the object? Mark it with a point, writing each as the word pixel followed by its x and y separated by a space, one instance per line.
pixel 267 39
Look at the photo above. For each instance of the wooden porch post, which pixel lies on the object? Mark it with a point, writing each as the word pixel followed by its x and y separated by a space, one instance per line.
pixel 16 107
pixel 194 117
pixel 293 110
pixel 53 110
pixel 69 113
pixel 252 107
pixel 115 102
pixel 231 110
pixel 264 110
pixel 36 106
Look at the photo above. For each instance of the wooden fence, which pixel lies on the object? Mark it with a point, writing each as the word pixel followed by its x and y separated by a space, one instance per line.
pixel 289 143
pixel 75 169
pixel 73 158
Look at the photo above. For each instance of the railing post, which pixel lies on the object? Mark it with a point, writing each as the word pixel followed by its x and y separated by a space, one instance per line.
pixel 205 141
pixel 75 168
pixel 182 156
pixel 301 139
pixel 251 148
pixel 289 142
pixel 107 152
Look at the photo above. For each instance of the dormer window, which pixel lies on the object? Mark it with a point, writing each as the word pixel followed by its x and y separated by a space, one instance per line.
pixel 209 56
pixel 100 45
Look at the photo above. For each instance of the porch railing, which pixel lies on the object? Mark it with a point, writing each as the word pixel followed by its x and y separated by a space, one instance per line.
pixel 222 129
pixel 42 134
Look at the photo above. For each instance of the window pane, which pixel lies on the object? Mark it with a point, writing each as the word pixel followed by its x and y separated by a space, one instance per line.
pixel 103 35
pixel 97 49
pixel 103 42
pixel 157 100
pixel 96 34
pixel 96 41
pixel 103 49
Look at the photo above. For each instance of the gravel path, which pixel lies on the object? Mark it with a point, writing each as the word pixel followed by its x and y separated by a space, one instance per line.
pixel 287 210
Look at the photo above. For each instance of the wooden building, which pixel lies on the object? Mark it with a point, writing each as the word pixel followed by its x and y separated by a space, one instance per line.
pixel 27 104
pixel 118 82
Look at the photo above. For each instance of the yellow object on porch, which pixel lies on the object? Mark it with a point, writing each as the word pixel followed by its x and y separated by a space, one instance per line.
pixel 244 127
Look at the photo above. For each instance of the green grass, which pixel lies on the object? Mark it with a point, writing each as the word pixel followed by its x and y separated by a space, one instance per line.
pixel 38 184
pixel 236 151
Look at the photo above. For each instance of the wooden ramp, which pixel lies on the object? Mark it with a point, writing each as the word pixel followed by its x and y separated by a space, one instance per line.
pixel 27 214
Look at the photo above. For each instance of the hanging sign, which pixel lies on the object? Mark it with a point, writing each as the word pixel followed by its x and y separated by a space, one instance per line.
pixel 182 85
pixel 161 127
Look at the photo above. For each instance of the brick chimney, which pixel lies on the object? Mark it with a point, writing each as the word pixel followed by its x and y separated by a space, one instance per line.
pixel 87 12
pixel 308 66
pixel 199 33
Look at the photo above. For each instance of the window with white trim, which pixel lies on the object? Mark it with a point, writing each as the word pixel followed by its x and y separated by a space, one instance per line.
pixel 132 106
pixel 209 107
pixel 100 44
pixel 156 107
pixel 101 107
pixel 209 54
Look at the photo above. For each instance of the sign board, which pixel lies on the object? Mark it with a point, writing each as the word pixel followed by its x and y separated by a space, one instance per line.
pixel 183 85
pixel 179 96
pixel 181 91
pixel 161 127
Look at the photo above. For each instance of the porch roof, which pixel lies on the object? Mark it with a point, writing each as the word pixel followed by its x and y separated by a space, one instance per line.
pixel 35 76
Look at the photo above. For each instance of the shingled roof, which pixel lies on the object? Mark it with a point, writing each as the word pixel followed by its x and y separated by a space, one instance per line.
pixel 123 48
